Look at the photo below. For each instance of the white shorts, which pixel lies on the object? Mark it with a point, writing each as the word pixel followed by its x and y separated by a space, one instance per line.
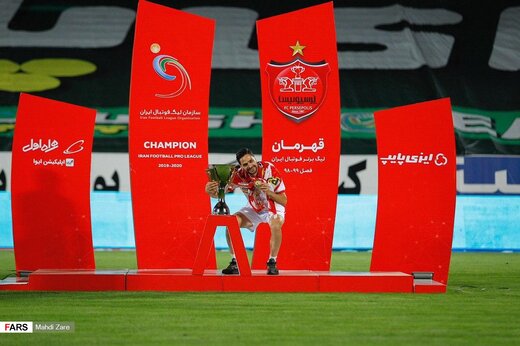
pixel 257 218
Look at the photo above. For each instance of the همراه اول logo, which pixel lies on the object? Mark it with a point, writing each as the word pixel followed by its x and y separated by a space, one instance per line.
pixel 298 88
pixel 170 69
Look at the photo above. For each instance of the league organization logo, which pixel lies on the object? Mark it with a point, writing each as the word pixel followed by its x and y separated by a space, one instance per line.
pixel 171 70
pixel 298 88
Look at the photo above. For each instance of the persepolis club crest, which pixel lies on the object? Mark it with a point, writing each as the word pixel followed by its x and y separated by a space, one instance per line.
pixel 298 88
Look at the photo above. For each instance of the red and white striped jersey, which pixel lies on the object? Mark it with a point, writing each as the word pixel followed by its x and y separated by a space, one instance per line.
pixel 258 200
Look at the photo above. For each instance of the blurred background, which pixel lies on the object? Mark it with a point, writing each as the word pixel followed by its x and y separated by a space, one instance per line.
pixel 391 53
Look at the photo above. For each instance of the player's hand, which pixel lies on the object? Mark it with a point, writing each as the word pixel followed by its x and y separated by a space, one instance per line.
pixel 262 186
pixel 212 188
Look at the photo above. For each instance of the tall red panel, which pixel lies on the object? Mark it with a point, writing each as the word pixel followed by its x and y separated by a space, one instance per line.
pixel 168 140
pixel 301 128
pixel 416 182
pixel 50 188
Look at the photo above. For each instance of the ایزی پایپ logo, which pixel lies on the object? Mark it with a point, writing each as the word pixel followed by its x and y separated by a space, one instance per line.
pixel 298 88
pixel 438 159
pixel 170 69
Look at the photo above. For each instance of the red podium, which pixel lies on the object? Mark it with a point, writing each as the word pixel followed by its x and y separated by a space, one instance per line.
pixel 201 279
pixel 174 235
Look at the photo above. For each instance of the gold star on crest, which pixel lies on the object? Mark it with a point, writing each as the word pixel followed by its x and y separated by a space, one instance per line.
pixel 297 49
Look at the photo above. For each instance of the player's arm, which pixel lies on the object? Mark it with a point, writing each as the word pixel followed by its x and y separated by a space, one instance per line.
pixel 280 198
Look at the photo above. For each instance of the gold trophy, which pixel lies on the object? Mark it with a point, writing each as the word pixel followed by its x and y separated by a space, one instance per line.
pixel 222 174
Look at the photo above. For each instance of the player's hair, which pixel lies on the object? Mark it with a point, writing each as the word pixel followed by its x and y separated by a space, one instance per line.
pixel 242 152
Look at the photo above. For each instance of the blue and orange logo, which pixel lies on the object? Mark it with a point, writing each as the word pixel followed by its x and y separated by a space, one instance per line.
pixel 170 69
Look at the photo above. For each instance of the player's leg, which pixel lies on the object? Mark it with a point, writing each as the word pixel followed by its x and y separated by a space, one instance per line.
pixel 275 223
pixel 243 220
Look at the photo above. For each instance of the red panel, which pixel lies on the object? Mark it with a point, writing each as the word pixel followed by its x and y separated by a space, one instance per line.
pixel 91 280
pixel 169 103
pixel 173 280
pixel 301 128
pixel 287 281
pixel 366 282
pixel 205 248
pixel 416 197
pixel 51 185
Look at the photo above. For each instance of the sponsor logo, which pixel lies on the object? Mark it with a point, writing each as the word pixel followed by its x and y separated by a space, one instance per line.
pixel 46 147
pixel 69 162
pixel 437 159
pixel 52 144
pixel 298 88
pixel 49 145
pixel 75 147
pixel 170 69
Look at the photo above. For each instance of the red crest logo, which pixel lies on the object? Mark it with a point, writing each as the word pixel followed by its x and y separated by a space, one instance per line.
pixel 298 88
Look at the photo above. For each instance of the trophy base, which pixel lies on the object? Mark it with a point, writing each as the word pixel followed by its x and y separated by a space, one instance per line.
pixel 221 208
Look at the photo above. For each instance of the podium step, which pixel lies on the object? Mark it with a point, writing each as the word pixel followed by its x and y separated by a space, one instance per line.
pixel 14 284
pixel 428 286
pixel 183 280
pixel 259 281
pixel 69 280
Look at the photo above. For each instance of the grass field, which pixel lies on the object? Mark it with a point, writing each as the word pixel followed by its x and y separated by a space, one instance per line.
pixel 482 307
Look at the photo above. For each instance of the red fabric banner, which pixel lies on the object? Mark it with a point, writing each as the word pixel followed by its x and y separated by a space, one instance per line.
pixel 416 189
pixel 301 129
pixel 168 138
pixel 50 188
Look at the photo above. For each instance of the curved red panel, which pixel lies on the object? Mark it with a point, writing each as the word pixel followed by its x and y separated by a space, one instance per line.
pixel 301 129
pixel 416 182
pixel 52 150
pixel 168 139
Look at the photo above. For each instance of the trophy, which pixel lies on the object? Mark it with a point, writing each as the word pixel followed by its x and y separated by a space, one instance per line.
pixel 222 174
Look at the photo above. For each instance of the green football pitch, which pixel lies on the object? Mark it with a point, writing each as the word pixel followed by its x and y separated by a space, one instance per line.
pixel 481 307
